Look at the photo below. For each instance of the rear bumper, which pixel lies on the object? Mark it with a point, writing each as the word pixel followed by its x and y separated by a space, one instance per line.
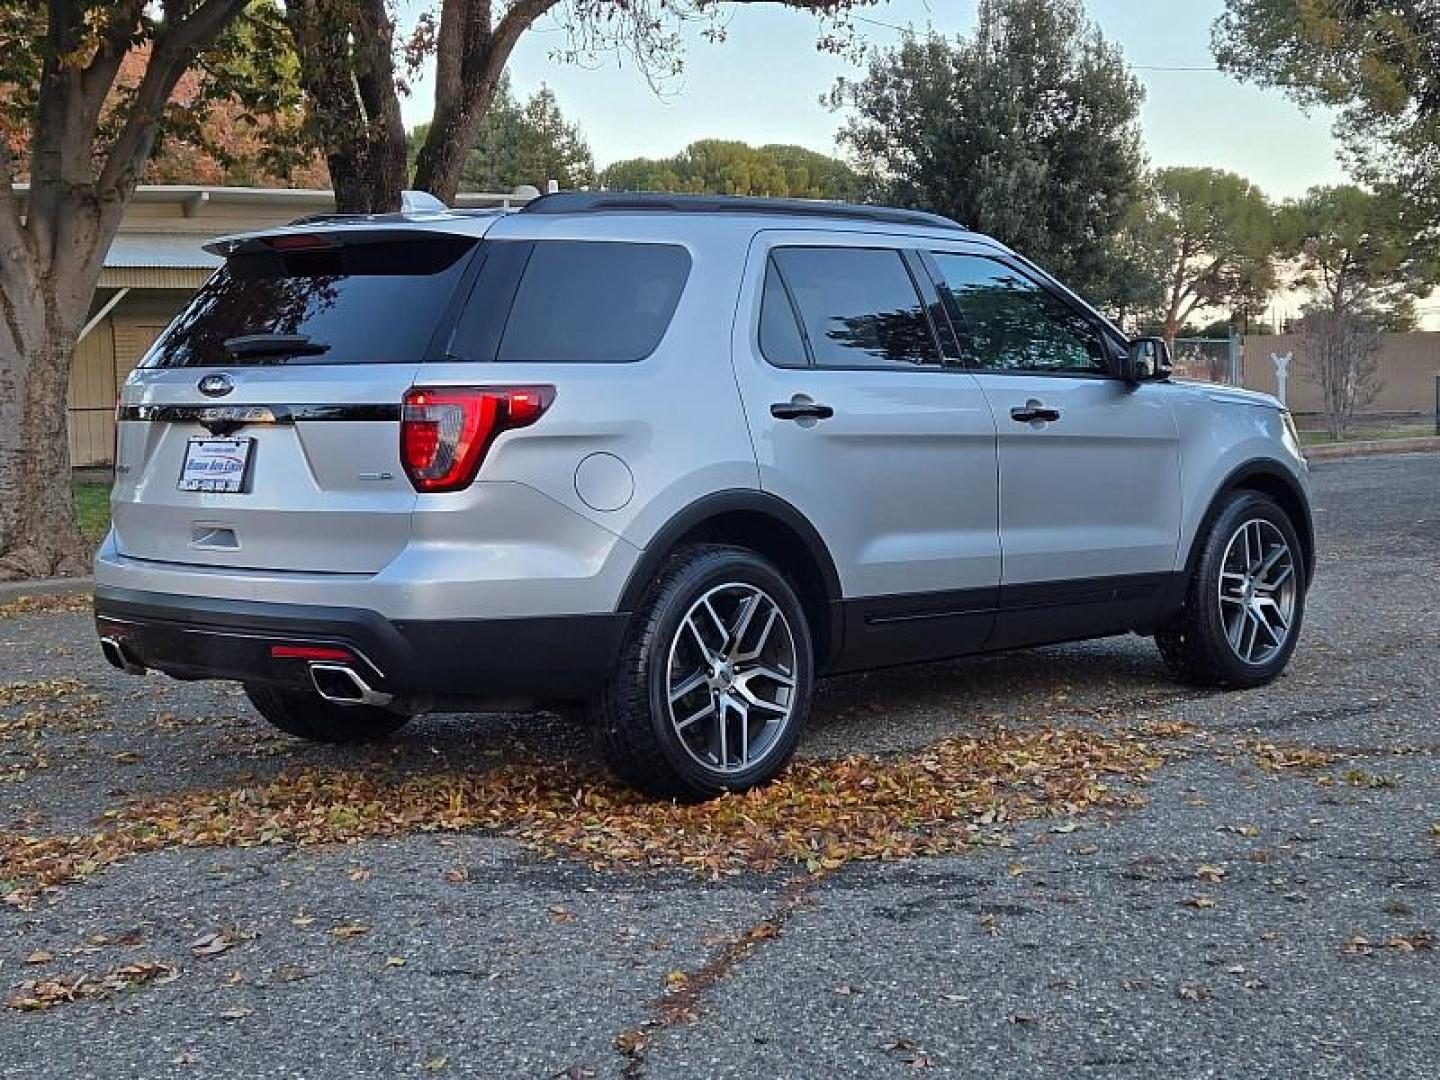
pixel 539 658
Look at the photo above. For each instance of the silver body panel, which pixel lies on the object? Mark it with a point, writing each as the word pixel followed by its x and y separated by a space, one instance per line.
pixel 921 482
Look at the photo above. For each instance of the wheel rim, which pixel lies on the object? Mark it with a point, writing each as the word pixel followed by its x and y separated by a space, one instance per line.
pixel 1258 589
pixel 731 678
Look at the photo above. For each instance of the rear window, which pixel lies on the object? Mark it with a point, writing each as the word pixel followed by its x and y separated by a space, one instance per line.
pixel 363 303
pixel 571 301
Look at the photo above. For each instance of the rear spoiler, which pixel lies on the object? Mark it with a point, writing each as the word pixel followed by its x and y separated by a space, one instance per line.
pixel 338 230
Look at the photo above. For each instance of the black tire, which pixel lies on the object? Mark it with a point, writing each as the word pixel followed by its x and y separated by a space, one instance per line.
pixel 1194 643
pixel 631 716
pixel 306 715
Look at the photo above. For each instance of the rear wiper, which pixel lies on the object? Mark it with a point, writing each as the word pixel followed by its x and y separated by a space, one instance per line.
pixel 273 345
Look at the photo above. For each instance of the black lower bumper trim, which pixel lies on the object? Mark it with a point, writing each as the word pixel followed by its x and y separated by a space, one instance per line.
pixel 556 658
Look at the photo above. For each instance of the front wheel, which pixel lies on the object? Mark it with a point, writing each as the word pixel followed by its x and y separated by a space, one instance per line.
pixel 1245 601
pixel 714 683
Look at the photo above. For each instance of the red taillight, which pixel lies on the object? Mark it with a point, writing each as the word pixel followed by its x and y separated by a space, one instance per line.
pixel 445 431
pixel 308 652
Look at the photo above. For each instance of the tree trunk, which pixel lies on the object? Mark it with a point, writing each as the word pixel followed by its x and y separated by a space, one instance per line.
pixel 347 70
pixel 38 533
pixel 471 51
pixel 442 158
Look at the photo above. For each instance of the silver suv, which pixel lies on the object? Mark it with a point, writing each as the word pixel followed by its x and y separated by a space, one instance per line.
pixel 671 457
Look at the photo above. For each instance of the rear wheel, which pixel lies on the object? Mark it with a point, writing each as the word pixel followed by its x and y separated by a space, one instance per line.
pixel 306 715
pixel 714 683
pixel 1245 601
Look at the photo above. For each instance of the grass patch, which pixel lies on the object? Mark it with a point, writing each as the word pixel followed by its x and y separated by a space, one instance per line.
pixel 92 509
pixel 1400 431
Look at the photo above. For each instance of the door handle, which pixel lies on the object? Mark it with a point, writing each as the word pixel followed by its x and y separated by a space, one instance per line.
pixel 801 408
pixel 1032 411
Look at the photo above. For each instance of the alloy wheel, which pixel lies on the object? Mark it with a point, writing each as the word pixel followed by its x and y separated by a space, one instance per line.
pixel 1257 590
pixel 731 678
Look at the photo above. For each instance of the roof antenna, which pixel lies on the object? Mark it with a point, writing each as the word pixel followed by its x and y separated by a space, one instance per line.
pixel 421 202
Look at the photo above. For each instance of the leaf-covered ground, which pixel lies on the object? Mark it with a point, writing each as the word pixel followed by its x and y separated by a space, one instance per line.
pixel 1051 863
pixel 818 816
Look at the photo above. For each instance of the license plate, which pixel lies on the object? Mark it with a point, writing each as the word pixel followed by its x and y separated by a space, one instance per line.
pixel 216 465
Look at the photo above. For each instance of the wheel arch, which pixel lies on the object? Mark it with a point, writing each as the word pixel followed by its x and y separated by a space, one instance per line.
pixel 771 527
pixel 1268 478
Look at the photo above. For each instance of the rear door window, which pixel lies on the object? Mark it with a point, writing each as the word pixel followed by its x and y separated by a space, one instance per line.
pixel 859 306
pixel 571 301
pixel 366 302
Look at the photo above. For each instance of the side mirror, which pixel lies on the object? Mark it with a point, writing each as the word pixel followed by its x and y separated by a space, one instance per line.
pixel 1146 360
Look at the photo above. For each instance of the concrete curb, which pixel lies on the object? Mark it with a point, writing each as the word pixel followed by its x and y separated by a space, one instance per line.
pixel 1418 444
pixel 13 590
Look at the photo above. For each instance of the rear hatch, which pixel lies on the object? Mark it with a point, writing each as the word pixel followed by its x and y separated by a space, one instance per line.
pixel 262 429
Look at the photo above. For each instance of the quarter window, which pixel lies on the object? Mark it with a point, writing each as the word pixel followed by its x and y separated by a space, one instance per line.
pixel 1009 323
pixel 859 307
pixel 780 340
pixel 571 301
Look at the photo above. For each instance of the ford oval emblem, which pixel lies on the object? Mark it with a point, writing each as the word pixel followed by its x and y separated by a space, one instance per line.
pixel 216 385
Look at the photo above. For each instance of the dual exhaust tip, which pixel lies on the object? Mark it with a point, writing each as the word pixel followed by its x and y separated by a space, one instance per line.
pixel 341 684
pixel 336 682
pixel 119 657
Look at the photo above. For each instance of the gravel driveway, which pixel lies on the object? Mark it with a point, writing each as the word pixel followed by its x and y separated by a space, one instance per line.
pixel 1266 907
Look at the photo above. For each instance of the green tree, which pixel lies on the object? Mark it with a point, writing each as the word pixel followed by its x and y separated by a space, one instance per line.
pixel 522 143
pixel 83 137
pixel 810 174
pixel 730 167
pixel 1359 253
pixel 354 83
pixel 1360 256
pixel 1377 61
pixel 1028 130
pixel 1211 237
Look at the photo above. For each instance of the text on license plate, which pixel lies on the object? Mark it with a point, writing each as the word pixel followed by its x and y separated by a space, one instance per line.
pixel 216 465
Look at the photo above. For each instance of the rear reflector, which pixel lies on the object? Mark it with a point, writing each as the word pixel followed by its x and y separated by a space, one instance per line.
pixel 308 652
pixel 445 431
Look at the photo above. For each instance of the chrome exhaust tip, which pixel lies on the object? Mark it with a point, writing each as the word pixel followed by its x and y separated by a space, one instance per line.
pixel 342 685
pixel 118 657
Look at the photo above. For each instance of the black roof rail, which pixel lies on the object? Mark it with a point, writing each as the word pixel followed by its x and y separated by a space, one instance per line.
pixel 575 202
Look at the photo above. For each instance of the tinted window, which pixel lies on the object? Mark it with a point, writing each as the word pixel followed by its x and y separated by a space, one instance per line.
pixel 364 303
pixel 598 303
pixel 780 340
pixel 1009 323
pixel 859 306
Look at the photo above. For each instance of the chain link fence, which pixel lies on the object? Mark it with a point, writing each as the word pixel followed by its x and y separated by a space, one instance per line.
pixel 1214 360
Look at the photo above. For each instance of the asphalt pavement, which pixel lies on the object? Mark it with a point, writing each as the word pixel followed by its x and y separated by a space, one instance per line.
pixel 1271 907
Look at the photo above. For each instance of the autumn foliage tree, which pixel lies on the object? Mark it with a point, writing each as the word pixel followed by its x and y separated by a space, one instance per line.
pixel 82 136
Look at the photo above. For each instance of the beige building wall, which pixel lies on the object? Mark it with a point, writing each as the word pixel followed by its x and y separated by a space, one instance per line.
pixel 102 361
pixel 1409 364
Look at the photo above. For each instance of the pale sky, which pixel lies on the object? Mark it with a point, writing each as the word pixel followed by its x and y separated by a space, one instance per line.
pixel 763 84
